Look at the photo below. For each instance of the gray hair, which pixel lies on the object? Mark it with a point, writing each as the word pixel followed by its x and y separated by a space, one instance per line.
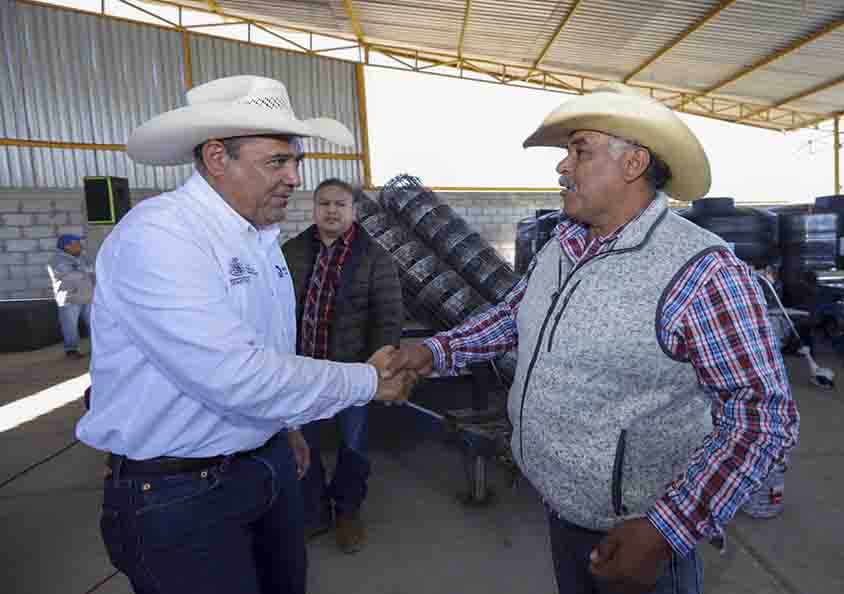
pixel 658 172
pixel 232 147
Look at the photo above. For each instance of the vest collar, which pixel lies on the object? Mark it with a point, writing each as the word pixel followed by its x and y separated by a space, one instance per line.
pixel 637 232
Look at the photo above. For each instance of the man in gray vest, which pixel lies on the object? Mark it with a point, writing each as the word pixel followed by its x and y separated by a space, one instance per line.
pixel 649 400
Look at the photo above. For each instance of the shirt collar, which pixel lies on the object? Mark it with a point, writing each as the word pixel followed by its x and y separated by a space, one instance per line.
pixel 199 188
pixel 573 235
pixel 345 239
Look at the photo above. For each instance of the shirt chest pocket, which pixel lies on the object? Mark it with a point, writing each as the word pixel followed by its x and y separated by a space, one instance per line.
pixel 244 287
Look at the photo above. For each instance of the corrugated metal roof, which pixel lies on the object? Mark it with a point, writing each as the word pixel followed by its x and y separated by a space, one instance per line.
pixel 769 63
pixel 122 74
pixel 708 43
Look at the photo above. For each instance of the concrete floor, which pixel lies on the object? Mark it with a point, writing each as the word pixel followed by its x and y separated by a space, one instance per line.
pixel 421 539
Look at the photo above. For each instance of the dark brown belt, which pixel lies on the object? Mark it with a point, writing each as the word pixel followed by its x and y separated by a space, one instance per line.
pixel 125 467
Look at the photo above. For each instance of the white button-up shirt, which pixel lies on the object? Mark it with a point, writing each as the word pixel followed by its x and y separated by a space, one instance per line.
pixel 194 336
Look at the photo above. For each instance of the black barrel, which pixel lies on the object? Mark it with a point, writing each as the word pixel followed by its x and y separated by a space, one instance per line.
pixel 546 222
pixel 525 243
pixel 751 232
pixel 451 238
pixel 834 203
pixel 532 233
pixel 28 324
pixel 808 243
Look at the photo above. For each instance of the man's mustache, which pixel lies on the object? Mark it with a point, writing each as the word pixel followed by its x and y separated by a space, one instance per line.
pixel 567 182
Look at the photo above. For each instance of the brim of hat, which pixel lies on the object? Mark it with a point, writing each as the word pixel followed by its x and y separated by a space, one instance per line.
pixel 639 120
pixel 170 138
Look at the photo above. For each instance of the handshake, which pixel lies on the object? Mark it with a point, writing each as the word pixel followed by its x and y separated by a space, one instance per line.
pixel 399 369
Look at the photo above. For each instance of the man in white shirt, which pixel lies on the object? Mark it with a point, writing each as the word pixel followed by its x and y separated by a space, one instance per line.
pixel 195 380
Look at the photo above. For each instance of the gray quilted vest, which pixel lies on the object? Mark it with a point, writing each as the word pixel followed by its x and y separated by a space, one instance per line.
pixel 604 418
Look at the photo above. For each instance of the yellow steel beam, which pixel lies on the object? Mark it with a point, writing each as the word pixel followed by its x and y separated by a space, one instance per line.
pixel 350 12
pixel 22 142
pixel 438 64
pixel 466 10
pixel 269 31
pixel 364 125
pixel 335 156
pixel 188 62
pixel 829 28
pixel 540 78
pixel 556 34
pixel 87 146
pixel 793 98
pixel 812 122
pixel 150 13
pixel 680 38
pixel 837 154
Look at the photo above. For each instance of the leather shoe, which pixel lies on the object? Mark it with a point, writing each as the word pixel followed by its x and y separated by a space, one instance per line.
pixel 321 526
pixel 350 536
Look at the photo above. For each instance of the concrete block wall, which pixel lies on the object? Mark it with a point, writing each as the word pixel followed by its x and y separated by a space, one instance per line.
pixel 493 215
pixel 30 223
pixel 32 220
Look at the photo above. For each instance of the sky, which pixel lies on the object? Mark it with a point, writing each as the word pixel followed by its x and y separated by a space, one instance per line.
pixel 464 133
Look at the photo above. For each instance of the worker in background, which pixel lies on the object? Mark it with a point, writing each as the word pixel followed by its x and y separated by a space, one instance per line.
pixel 650 399
pixel 195 379
pixel 349 304
pixel 72 276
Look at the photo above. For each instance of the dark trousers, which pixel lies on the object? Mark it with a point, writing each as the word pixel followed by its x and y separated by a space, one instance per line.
pixel 570 549
pixel 347 489
pixel 236 527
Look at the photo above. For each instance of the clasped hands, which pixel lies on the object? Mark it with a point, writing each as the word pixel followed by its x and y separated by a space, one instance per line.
pixel 399 369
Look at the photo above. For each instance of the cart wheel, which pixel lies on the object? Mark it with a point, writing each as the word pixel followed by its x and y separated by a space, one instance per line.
pixel 831 328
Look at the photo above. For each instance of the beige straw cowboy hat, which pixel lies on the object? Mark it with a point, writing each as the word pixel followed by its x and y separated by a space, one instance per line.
pixel 618 110
pixel 224 108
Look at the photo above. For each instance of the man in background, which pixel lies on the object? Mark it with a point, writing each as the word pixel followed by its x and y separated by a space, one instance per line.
pixel 349 304
pixel 72 276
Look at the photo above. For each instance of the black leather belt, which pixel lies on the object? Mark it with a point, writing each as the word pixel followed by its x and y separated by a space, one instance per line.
pixel 124 467
pixel 163 465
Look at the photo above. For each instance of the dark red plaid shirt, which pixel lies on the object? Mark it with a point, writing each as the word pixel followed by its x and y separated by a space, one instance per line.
pixel 322 290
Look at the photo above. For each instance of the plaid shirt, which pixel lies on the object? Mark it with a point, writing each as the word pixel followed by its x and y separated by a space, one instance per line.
pixel 318 309
pixel 716 317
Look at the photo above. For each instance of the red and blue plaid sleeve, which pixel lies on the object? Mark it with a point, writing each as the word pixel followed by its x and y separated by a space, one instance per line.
pixel 716 317
pixel 482 337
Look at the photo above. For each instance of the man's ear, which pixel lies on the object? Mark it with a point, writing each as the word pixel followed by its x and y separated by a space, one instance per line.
pixel 214 157
pixel 636 162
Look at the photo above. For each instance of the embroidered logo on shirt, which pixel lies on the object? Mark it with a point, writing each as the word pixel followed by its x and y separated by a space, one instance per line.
pixel 282 272
pixel 240 273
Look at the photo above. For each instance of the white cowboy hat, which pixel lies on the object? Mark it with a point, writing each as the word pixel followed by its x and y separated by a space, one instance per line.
pixel 618 110
pixel 224 108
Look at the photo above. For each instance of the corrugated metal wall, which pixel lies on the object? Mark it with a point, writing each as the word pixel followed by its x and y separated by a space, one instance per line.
pixel 69 77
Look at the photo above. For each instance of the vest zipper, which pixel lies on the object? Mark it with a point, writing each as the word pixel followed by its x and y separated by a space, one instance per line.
pixel 554 298
pixel 618 475
pixel 560 313
pixel 577 268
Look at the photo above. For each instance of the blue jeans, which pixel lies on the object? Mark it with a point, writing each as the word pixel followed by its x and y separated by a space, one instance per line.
pixel 348 485
pixel 236 527
pixel 69 321
pixel 570 549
